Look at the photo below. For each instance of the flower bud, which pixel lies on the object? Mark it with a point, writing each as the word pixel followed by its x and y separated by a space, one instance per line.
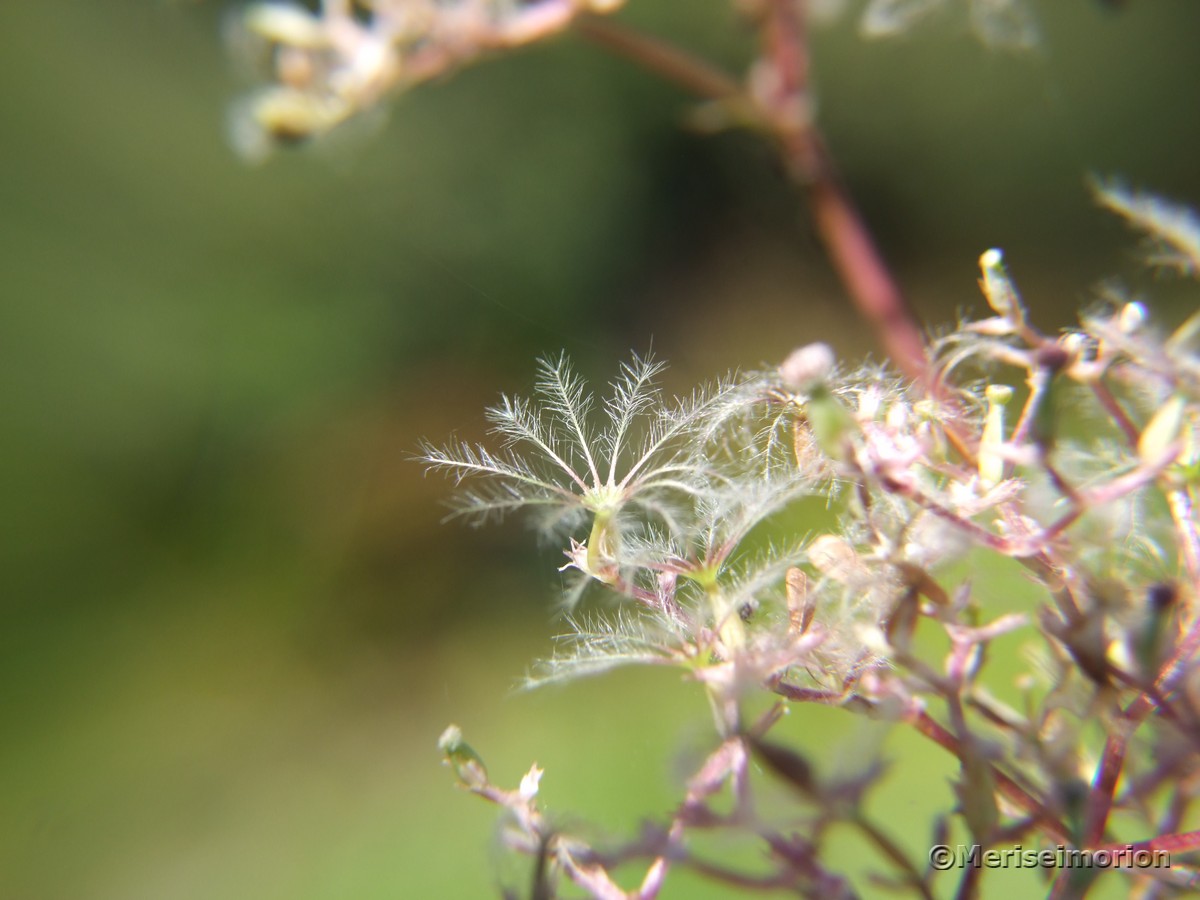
pixel 461 757
pixel 1074 344
pixel 1131 317
pixel 290 115
pixel 283 23
pixel 529 784
pixel 991 463
pixel 1162 430
pixel 807 366
pixel 998 288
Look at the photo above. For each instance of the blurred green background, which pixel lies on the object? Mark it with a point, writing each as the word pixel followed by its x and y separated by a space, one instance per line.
pixel 231 625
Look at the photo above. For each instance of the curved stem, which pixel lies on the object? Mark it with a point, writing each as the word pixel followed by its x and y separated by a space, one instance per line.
pixel 851 249
pixel 695 75
pixel 856 259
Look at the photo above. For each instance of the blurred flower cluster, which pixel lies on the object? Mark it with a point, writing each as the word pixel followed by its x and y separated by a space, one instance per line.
pixel 1004 24
pixel 336 60
pixel 674 509
pixel 342 58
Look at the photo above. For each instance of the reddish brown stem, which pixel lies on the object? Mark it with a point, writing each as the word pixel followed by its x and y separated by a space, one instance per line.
pixel 1008 788
pixel 1166 843
pixel 695 75
pixel 927 726
pixel 853 253
pixel 848 242
pixel 1113 407
pixel 1116 746
pixel 864 273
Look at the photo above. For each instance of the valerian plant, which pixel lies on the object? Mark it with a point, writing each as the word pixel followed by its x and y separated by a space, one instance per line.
pixel 965 449
pixel 920 479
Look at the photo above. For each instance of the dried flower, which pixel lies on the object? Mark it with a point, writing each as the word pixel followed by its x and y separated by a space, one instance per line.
pixel 342 60
pixel 675 492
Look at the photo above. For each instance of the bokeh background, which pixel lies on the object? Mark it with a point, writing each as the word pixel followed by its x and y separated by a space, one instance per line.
pixel 231 623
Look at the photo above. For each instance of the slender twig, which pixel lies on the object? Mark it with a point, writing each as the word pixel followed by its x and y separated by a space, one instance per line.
pixel 1113 407
pixel 1009 789
pixel 1116 746
pixel 1039 385
pixel 928 727
pixel 1183 513
pixel 893 851
pixel 1173 670
pixel 968 884
pixel 851 249
pixel 692 73
pixel 1167 843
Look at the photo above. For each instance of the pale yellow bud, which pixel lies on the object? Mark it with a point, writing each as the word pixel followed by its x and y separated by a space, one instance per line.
pixel 807 365
pixel 1131 318
pixel 998 288
pixel 1074 344
pixel 290 115
pixel 1162 430
pixel 991 463
pixel 283 23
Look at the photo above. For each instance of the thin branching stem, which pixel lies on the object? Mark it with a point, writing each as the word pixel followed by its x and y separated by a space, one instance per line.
pixel 857 261
pixel 694 74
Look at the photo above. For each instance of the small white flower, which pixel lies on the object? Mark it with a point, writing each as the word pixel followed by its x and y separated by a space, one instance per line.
pixel 644 463
pixel 870 402
pixel 529 784
pixel 807 366
pixel 286 23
